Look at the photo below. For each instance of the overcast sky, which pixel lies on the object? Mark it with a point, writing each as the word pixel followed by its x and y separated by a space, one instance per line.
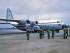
pixel 37 8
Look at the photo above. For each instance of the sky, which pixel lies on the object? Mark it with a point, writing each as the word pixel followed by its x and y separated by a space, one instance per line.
pixel 37 9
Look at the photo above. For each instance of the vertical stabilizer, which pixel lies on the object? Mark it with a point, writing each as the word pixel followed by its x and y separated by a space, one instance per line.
pixel 9 14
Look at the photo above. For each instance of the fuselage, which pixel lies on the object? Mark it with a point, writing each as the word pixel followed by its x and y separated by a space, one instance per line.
pixel 33 26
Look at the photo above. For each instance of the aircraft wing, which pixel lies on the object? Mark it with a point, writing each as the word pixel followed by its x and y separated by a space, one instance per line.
pixel 10 20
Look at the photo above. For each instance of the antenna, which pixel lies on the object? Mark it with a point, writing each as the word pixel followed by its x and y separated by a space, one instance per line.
pixel 36 18
pixel 27 17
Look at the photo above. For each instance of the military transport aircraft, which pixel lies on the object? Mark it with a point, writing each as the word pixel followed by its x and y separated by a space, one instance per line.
pixel 32 25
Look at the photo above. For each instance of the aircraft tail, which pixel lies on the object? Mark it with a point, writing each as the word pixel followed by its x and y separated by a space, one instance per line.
pixel 9 14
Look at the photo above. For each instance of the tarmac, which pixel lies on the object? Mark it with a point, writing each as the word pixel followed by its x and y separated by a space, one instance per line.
pixel 18 43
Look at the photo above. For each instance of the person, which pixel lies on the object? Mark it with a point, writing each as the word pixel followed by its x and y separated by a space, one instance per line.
pixel 65 33
pixel 48 34
pixel 41 34
pixel 53 34
pixel 27 33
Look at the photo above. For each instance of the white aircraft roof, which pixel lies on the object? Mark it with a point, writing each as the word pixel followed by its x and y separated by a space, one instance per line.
pixel 51 21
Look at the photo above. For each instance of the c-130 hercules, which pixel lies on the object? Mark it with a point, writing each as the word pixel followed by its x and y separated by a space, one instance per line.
pixel 32 26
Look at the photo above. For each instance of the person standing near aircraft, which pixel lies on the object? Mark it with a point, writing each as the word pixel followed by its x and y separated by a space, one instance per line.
pixel 53 31
pixel 65 33
pixel 48 34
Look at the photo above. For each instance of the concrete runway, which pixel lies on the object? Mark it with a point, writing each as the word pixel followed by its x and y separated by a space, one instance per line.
pixel 17 43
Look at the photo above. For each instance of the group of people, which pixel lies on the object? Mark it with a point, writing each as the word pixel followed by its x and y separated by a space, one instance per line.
pixel 41 34
pixel 65 30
